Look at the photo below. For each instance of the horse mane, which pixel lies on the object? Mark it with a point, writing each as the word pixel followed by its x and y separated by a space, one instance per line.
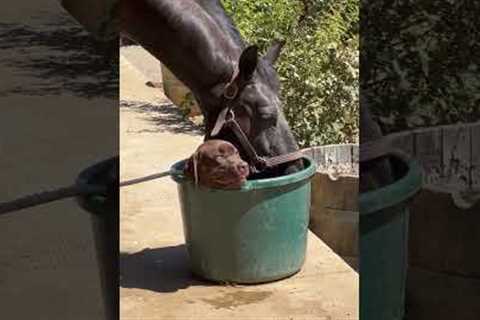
pixel 217 12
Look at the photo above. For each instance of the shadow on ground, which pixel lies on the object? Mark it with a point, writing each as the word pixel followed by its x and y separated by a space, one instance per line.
pixel 161 270
pixel 352 262
pixel 166 117
pixel 57 57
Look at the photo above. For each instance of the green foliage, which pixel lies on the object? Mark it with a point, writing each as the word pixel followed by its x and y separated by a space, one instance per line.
pixel 188 103
pixel 421 62
pixel 261 21
pixel 318 66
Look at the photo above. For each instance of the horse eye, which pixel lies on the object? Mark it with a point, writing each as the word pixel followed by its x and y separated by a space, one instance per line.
pixel 266 114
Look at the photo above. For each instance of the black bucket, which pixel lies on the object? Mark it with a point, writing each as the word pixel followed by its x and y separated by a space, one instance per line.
pixel 104 214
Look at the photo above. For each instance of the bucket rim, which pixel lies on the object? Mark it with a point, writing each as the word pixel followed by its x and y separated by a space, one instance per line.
pixel 307 173
pixel 399 191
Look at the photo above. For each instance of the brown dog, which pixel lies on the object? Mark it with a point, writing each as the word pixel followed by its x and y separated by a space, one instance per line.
pixel 217 164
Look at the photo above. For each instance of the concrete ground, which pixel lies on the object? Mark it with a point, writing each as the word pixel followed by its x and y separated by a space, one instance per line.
pixel 52 125
pixel 155 279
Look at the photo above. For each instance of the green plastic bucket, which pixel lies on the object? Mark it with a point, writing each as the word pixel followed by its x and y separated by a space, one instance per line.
pixel 383 242
pixel 104 215
pixel 251 235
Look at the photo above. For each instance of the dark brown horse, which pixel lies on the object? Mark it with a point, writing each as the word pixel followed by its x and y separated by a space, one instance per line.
pixel 199 43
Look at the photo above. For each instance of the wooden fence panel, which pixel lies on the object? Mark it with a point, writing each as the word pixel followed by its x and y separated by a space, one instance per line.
pixel 475 166
pixel 456 155
pixel 428 149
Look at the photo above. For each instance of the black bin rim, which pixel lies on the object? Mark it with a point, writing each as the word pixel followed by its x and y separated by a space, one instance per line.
pixel 94 203
pixel 393 194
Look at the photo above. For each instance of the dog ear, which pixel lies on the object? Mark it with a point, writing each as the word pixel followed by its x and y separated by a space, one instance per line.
pixel 191 167
pixel 188 169
pixel 274 51
pixel 195 167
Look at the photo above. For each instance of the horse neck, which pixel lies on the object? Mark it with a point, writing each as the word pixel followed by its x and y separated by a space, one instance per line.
pixel 185 38
pixel 217 11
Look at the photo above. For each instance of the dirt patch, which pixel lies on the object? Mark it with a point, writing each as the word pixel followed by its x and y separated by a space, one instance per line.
pixel 238 298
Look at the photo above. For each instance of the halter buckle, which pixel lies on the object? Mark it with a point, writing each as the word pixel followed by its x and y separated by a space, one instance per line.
pixel 230 116
pixel 260 163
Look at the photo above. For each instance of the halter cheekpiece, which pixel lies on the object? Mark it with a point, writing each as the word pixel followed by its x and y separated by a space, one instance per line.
pixel 226 118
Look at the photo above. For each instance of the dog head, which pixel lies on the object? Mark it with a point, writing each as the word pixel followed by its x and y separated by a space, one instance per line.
pixel 217 164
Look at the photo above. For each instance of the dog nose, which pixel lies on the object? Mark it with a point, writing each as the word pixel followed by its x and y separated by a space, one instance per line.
pixel 242 168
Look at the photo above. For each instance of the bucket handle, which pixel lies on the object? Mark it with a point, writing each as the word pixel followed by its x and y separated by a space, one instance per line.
pixel 146 178
pixel 77 189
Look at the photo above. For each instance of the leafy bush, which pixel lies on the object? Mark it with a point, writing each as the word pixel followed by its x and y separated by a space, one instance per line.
pixel 421 62
pixel 318 66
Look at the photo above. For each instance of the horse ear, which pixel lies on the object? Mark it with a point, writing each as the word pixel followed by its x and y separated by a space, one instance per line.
pixel 274 51
pixel 248 62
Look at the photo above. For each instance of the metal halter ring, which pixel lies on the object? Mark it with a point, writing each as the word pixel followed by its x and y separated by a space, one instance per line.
pixel 231 91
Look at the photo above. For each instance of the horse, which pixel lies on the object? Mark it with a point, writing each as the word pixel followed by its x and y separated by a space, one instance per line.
pixel 200 44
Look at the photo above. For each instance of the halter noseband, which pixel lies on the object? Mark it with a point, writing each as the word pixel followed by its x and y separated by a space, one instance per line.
pixel 226 118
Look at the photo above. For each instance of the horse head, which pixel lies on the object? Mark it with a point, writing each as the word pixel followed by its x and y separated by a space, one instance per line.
pixel 254 88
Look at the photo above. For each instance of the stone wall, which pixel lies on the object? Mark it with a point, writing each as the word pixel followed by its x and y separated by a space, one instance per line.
pixel 179 94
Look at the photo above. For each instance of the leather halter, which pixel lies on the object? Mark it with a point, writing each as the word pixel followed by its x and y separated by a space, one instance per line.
pixel 226 118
